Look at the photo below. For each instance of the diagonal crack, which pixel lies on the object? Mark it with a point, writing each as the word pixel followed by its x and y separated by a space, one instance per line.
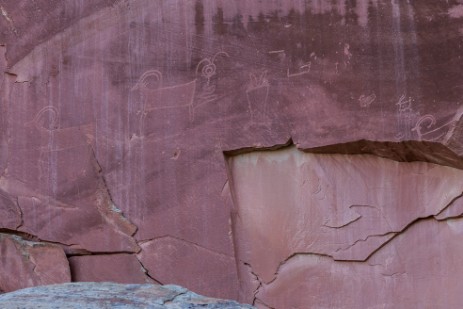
pixel 111 213
pixel 256 277
pixel 396 233
pixel 172 299
pixel 364 240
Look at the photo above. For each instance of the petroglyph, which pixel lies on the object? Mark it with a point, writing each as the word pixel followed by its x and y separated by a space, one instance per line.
pixel 304 69
pixel 257 93
pixel 157 96
pixel 47 118
pixel 207 66
pixel 406 118
pixel 366 100
pixel 207 69
pixel 347 54
pixel 448 133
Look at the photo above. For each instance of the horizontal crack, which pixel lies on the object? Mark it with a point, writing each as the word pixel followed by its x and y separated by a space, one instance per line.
pixel 397 233
pixel 186 241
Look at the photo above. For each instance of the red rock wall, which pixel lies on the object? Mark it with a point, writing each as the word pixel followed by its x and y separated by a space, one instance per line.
pixel 121 123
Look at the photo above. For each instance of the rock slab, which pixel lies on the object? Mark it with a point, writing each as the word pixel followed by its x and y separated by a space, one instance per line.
pixel 26 263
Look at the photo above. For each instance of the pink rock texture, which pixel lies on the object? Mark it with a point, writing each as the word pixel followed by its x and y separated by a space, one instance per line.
pixel 397 276
pixel 120 268
pixel 26 263
pixel 126 125
pixel 164 254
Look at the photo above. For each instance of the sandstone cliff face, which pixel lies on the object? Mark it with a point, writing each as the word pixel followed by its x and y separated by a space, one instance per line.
pixel 148 136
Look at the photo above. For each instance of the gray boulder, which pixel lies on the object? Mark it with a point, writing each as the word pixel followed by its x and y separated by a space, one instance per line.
pixel 89 295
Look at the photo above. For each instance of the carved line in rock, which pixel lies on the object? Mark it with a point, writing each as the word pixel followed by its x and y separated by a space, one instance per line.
pixel 410 121
pixel 257 93
pixel 443 133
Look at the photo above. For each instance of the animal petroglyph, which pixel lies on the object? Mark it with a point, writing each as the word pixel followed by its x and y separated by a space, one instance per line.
pixel 207 66
pixel 157 96
pixel 304 69
pixel 366 101
pixel 207 69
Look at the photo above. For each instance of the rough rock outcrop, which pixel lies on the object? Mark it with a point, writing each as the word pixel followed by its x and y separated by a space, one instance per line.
pixel 111 295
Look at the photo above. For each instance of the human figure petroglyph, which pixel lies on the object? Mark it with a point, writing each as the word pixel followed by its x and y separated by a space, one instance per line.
pixel 257 80
pixel 257 92
pixel 406 118
pixel 405 104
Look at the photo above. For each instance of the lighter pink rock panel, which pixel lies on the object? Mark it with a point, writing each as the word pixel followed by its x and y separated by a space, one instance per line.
pixel 318 208
pixel 420 268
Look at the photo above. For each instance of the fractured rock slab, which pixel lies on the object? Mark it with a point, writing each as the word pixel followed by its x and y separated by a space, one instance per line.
pixel 26 263
pixel 163 255
pixel 409 272
pixel 342 207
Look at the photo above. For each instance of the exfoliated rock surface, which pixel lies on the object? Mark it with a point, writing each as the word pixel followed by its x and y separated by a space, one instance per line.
pixel 26 263
pixel 111 295
pixel 127 129
pixel 300 216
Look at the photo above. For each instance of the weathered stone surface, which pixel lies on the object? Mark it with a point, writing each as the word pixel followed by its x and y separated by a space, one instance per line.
pixel 26 263
pixel 10 214
pixel 120 268
pixel 342 206
pixel 162 255
pixel 409 272
pixel 115 116
pixel 111 295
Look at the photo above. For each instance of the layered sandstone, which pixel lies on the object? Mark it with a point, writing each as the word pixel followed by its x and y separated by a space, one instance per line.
pixel 127 131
